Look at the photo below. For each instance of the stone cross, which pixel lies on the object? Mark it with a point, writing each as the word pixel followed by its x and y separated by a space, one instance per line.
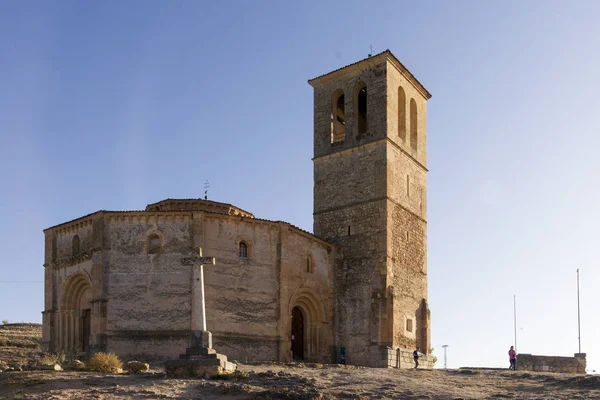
pixel 201 337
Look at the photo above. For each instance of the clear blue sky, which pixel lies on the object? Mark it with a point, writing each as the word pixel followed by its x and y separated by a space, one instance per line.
pixel 114 105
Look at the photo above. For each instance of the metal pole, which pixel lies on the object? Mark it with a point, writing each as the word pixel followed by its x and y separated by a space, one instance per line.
pixel 515 316
pixel 578 316
pixel 445 365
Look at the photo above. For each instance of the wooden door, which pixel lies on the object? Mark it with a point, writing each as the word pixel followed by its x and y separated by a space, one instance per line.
pixel 86 325
pixel 297 334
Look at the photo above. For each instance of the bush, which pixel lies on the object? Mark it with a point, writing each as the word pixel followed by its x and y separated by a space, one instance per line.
pixel 105 362
pixel 51 358
pixel 4 321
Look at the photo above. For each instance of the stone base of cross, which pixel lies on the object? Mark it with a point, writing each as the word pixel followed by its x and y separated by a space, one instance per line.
pixel 200 359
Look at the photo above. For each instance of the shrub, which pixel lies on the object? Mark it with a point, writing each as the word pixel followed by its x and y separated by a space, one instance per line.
pixel 51 358
pixel 105 362
pixel 4 321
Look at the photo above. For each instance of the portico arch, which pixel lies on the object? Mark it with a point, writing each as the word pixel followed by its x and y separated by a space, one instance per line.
pixel 304 305
pixel 75 314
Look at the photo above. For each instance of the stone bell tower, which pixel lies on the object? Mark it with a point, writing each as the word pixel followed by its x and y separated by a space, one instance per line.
pixel 370 198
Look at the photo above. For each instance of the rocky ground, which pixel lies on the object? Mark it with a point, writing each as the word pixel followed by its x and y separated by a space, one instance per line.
pixel 292 381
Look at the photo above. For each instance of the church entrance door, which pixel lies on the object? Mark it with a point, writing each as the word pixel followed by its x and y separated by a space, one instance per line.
pixel 86 325
pixel 297 334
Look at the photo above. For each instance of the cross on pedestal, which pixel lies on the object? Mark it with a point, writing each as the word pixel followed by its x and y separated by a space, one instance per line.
pixel 201 337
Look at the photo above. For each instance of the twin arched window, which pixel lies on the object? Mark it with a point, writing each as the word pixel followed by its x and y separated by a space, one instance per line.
pixel 338 113
pixel 402 119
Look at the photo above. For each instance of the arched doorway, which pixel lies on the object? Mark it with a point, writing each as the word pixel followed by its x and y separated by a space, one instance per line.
pixel 297 334
pixel 74 327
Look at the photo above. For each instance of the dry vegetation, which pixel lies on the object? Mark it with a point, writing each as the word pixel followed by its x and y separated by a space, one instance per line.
pixel 297 381
pixel 19 342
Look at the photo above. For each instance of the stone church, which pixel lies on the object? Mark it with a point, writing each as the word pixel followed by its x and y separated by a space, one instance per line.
pixel 356 288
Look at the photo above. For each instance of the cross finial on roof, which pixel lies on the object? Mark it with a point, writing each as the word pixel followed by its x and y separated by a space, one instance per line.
pixel 206 186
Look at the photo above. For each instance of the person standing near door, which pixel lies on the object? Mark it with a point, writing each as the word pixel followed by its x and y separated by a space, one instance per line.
pixel 416 357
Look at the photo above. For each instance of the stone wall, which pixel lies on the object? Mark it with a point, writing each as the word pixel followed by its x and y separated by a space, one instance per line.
pixel 387 357
pixel 149 294
pixel 572 365
pixel 141 298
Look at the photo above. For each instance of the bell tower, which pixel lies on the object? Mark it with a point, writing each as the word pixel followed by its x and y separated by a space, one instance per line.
pixel 370 199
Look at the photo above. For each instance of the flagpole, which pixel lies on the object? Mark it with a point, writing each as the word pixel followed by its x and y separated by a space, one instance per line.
pixel 578 315
pixel 515 316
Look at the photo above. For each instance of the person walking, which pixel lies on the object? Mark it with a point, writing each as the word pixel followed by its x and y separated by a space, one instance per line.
pixel 512 356
pixel 416 357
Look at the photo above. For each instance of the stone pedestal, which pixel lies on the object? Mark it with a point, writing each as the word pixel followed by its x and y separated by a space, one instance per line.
pixel 200 360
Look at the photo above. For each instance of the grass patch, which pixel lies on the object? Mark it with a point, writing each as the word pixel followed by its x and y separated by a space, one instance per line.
pixel 237 375
pixel 105 362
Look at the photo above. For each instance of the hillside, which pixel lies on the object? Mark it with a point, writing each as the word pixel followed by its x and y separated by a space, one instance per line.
pixel 18 342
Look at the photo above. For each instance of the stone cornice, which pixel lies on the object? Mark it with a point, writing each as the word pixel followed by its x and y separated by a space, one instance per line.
pixel 367 145
pixel 277 223
pixel 376 59
pixel 73 225
pixel 145 216
pixel 357 203
pixel 78 259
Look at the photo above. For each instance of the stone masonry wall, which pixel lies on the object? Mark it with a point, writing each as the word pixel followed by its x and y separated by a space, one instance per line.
pixel 242 293
pixel 407 217
pixel 306 281
pixel 573 365
pixel 387 357
pixel 350 211
pixel 149 295
pixel 374 185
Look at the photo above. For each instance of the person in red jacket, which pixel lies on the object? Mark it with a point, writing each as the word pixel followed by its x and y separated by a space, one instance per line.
pixel 512 356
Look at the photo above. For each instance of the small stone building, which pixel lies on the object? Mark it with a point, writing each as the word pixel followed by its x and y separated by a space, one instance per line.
pixel 121 281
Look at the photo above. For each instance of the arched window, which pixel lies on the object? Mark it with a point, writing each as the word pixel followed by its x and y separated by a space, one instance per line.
pixel 243 250
pixel 154 243
pixel 413 124
pixel 360 107
pixel 401 113
pixel 338 116
pixel 75 246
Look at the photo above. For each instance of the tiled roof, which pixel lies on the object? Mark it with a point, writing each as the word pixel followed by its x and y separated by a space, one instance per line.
pixel 394 58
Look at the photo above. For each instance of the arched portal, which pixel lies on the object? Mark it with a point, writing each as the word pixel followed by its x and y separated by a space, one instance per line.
pixel 307 316
pixel 297 334
pixel 74 327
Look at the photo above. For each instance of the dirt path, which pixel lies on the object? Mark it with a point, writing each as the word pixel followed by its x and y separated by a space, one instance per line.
pixel 293 382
